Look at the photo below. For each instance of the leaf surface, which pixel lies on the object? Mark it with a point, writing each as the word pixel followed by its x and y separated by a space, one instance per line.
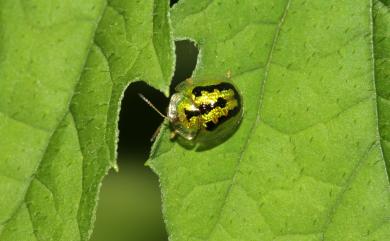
pixel 307 161
pixel 63 68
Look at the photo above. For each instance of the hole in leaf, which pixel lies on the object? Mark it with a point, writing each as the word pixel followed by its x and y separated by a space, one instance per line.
pixel 130 206
pixel 186 59
pixel 173 2
pixel 137 121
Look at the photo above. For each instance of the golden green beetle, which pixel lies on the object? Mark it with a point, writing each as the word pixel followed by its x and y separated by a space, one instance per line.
pixel 205 111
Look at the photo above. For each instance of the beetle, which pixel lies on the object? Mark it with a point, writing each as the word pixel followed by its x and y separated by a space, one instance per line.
pixel 205 111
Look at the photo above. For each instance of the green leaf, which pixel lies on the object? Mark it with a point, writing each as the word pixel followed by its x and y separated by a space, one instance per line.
pixel 63 68
pixel 306 162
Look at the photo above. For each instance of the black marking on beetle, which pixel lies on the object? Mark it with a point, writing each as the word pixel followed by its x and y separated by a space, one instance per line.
pixel 206 108
pixel 210 126
pixel 197 91
pixel 191 113
pixel 221 102
pixel 234 112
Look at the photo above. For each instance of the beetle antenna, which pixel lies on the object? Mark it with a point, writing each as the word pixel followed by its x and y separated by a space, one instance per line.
pixel 151 105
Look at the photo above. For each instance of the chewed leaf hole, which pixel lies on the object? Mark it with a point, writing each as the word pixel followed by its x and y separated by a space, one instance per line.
pixel 173 2
pixel 130 206
pixel 186 60
pixel 138 122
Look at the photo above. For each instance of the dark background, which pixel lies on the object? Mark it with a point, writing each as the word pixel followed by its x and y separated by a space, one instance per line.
pixel 129 208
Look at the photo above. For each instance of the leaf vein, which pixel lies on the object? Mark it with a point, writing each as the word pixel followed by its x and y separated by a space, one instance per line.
pixel 246 144
pixel 333 208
